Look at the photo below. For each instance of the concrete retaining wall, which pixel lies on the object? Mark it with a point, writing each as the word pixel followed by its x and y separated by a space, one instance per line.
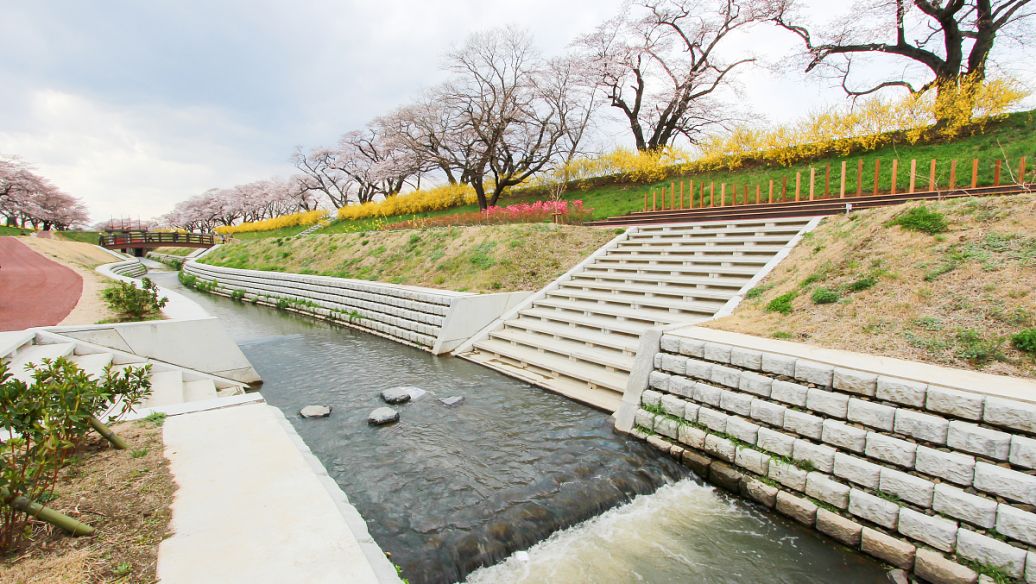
pixel 131 268
pixel 929 469
pixel 435 320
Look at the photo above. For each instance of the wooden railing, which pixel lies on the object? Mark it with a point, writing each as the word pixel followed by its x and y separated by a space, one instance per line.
pixel 136 239
pixel 671 197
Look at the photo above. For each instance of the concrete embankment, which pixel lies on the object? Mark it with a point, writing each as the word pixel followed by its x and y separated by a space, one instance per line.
pixel 929 469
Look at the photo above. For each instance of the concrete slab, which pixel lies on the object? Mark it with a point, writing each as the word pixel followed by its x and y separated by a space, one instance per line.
pixel 252 507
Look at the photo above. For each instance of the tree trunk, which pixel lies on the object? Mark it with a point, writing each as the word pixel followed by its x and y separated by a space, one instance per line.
pixel 480 193
pixel 42 513
pixel 116 441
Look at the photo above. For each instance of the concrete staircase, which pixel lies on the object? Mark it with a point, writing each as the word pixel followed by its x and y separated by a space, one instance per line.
pixel 579 337
pixel 314 228
pixel 173 389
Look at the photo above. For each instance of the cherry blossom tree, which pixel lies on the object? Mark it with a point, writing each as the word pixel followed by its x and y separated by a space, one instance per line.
pixel 660 62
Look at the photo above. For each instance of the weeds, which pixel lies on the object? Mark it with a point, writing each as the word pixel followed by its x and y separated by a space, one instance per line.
pixel 921 219
pixel 782 303
pixel 1025 341
pixel 825 296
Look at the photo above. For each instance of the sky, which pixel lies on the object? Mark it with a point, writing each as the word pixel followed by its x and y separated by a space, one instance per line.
pixel 133 106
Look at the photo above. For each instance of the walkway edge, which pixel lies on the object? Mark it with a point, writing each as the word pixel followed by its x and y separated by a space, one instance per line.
pixel 383 568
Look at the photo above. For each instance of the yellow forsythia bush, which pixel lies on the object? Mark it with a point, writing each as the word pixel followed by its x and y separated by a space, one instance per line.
pixel 292 220
pixel 419 201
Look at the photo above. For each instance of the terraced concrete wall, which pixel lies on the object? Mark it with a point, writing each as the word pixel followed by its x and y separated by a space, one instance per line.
pixel 435 320
pixel 929 469
pixel 129 268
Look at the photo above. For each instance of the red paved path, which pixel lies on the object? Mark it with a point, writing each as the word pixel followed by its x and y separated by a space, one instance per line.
pixel 34 291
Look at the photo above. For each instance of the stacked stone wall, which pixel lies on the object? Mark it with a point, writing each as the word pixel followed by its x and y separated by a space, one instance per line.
pixel 927 477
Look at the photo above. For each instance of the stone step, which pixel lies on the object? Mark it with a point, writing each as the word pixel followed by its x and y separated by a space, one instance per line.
pixel 681 270
pixel 695 251
pixel 94 364
pixel 166 389
pixel 676 261
pixel 603 356
pixel 732 284
pixel 606 324
pixel 199 390
pixel 638 301
pixel 733 223
pixel 35 354
pixel 646 316
pixel 701 240
pixel 671 292
pixel 551 364
pixel 623 343
pixel 690 231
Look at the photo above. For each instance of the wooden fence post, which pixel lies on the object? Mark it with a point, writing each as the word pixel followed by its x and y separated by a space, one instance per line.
pixel 798 184
pixel 827 180
pixel 953 174
pixel 771 190
pixel 654 200
pixel 759 192
pixel 859 177
pixel 913 175
pixel 645 201
pixel 712 194
pixel 996 173
pixel 812 177
pixel 841 186
pixel 895 174
pixel 974 173
pixel 877 175
pixel 723 194
pixel 1021 171
pixel 681 194
pixel 931 176
pixel 784 188
pixel 672 195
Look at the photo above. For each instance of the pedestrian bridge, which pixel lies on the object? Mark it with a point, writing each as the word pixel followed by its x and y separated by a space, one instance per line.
pixel 139 241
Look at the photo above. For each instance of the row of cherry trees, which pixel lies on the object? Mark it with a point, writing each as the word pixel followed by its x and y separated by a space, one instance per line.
pixel 28 199
pixel 506 113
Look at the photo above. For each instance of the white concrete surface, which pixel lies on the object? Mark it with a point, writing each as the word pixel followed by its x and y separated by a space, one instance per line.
pixel 179 306
pixel 470 314
pixel 200 344
pixel 252 507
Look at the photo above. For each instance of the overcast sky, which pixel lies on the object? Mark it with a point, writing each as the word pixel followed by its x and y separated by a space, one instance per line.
pixel 134 105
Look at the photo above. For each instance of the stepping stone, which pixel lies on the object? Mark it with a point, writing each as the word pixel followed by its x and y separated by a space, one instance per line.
pixel 396 395
pixel 315 411
pixel 452 400
pixel 382 416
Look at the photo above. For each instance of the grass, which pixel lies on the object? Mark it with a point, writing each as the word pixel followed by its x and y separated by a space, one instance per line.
pixel 921 219
pixel 176 251
pixel 124 495
pixel 80 236
pixel 1005 140
pixel 958 298
pixel 497 258
pixel 15 231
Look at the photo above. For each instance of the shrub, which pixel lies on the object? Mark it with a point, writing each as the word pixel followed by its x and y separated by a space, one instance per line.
pixel 237 295
pixel 865 283
pixel 825 296
pixel 921 219
pixel 419 201
pixel 539 211
pixel 1025 341
pixel 130 301
pixel 48 420
pixel 188 280
pixel 782 303
pixel 977 349
pixel 293 220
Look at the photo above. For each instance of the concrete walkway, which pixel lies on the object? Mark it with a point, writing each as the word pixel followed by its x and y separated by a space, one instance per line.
pixel 255 506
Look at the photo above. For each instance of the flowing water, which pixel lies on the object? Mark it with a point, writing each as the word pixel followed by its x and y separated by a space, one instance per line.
pixel 448 490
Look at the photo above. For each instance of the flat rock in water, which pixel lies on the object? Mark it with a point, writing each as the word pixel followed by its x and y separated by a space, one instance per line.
pixel 315 411
pixel 416 393
pixel 452 400
pixel 396 395
pixel 382 416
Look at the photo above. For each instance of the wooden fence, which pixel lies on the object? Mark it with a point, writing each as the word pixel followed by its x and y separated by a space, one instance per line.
pixel 711 194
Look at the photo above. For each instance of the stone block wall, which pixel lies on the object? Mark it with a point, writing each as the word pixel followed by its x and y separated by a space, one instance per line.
pixel 130 268
pixel 919 470
pixel 434 320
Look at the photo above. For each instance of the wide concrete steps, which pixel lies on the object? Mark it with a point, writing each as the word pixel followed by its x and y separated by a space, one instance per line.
pixel 172 388
pixel 580 336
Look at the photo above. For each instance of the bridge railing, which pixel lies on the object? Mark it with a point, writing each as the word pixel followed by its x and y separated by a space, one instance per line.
pixel 156 239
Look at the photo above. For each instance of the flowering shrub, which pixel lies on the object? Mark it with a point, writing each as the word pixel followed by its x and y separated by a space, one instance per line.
pixel 292 220
pixel 419 201
pixel 539 211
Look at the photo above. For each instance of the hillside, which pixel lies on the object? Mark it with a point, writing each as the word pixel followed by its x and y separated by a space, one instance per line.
pixel 953 298
pixel 495 258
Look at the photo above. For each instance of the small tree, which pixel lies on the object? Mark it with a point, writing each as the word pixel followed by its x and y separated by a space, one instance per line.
pixel 134 303
pixel 45 421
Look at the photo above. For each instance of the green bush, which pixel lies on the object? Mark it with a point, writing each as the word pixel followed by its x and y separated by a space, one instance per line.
pixel 865 283
pixel 825 296
pixel 237 295
pixel 132 302
pixel 977 349
pixel 188 280
pixel 48 421
pixel 782 303
pixel 1025 341
pixel 921 219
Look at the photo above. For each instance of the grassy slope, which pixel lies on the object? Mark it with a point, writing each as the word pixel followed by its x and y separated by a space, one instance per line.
pixel 176 251
pixel 486 259
pixel 1007 140
pixel 81 236
pixel 5 230
pixel 952 299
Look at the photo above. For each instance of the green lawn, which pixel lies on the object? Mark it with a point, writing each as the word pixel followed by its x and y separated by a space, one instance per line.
pixel 282 232
pixel 1007 141
pixel 5 230
pixel 82 236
